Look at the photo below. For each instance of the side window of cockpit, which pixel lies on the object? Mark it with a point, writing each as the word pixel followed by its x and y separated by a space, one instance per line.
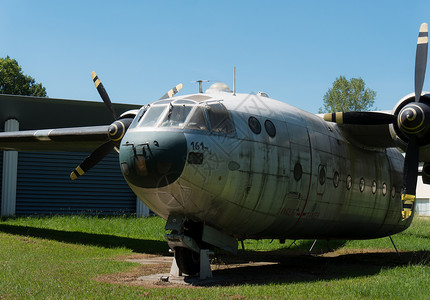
pixel 219 119
pixel 138 117
pixel 197 120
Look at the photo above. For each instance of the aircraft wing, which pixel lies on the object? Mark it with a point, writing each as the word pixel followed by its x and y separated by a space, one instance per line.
pixel 60 139
pixel 367 129
pixel 370 136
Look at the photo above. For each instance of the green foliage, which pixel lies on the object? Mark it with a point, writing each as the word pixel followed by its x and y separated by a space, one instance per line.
pixel 14 82
pixel 348 95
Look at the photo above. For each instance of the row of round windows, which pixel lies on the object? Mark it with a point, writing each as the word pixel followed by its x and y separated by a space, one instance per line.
pixel 255 126
pixel 336 181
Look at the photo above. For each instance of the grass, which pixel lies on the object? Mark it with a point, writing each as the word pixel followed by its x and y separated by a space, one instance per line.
pixel 60 256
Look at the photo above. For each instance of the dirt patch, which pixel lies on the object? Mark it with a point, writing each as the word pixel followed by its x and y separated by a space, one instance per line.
pixel 149 264
pixel 253 267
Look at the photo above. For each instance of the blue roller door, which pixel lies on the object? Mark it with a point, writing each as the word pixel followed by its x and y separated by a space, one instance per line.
pixel 44 186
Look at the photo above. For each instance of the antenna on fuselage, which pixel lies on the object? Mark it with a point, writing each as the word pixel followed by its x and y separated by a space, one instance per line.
pixel 234 81
pixel 201 84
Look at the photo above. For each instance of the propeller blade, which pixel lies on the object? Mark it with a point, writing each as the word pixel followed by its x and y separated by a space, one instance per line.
pixel 172 92
pixel 421 60
pixel 103 94
pixel 94 158
pixel 361 118
pixel 410 174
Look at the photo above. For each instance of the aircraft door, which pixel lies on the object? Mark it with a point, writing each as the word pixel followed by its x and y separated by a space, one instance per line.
pixel 300 173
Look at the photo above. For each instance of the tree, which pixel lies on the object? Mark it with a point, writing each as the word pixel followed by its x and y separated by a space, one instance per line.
pixel 348 96
pixel 13 81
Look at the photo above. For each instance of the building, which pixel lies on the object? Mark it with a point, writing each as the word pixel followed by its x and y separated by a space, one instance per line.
pixel 39 182
pixel 422 198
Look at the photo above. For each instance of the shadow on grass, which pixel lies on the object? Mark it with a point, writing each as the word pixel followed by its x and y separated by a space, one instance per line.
pixel 101 240
pixel 320 247
pixel 284 266
pixel 255 267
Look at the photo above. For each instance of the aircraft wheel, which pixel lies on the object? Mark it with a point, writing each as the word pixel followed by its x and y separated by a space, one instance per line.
pixel 188 261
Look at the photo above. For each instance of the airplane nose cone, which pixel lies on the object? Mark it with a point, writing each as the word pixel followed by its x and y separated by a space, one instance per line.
pixel 153 159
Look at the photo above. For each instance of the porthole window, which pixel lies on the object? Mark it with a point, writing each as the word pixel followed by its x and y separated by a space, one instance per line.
pixel 348 182
pixel 254 124
pixel 270 128
pixel 298 171
pixel 374 187
pixel 321 175
pixel 336 179
pixel 384 189
pixel 361 184
pixel 393 191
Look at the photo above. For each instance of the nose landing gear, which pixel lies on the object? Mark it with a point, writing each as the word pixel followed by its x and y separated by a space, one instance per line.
pixel 191 263
pixel 188 261
pixel 190 241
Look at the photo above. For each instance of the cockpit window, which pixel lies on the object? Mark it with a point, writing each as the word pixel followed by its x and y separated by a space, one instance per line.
pixel 138 117
pixel 186 113
pixel 176 116
pixel 219 119
pixel 152 115
pixel 197 120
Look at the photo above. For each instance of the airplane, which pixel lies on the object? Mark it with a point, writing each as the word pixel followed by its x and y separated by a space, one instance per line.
pixel 221 167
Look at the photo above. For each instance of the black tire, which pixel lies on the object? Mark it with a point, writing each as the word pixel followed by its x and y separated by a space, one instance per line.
pixel 188 261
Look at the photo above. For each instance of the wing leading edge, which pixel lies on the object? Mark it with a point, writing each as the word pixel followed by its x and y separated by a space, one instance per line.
pixel 60 139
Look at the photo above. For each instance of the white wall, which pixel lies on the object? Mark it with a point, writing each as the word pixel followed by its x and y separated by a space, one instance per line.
pixel 423 198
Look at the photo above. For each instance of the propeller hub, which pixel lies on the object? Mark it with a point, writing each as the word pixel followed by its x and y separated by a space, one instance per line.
pixel 413 119
pixel 118 128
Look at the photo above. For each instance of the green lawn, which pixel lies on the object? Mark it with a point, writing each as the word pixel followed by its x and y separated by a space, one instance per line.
pixel 60 256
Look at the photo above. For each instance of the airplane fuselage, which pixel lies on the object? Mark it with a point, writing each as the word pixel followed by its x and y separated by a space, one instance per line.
pixel 265 170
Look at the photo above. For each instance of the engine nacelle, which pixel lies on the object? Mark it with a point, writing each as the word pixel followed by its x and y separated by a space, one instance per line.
pixel 129 113
pixel 398 134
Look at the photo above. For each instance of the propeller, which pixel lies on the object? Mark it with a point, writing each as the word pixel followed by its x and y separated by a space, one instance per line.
pixel 421 60
pixel 116 130
pixel 94 158
pixel 172 92
pixel 103 94
pixel 413 120
pixel 115 133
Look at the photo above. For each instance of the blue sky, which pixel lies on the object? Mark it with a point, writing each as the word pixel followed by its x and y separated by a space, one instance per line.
pixel 292 50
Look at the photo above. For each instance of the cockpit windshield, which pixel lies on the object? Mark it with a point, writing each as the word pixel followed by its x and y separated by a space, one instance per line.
pixel 152 115
pixel 176 116
pixel 213 117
